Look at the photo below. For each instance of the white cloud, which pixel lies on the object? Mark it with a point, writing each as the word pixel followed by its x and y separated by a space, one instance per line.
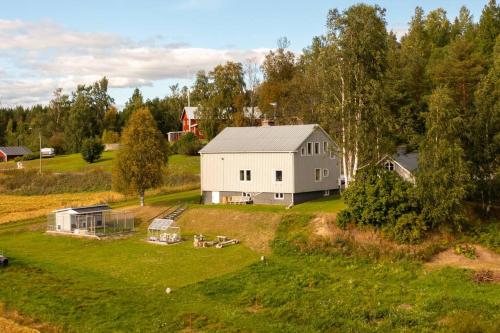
pixel 44 56
pixel 399 32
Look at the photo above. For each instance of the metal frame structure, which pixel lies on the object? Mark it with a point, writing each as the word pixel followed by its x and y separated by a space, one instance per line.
pixel 97 223
pixel 164 231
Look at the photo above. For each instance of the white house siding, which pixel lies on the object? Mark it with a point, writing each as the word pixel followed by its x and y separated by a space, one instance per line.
pixel 221 172
pixel 305 166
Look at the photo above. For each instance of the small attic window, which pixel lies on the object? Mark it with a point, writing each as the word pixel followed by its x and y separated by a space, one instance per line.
pixel 389 165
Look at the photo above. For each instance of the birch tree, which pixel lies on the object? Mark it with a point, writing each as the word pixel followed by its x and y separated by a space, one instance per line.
pixel 354 62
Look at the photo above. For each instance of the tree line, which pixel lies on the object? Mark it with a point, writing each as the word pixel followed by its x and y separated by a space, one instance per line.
pixel 435 90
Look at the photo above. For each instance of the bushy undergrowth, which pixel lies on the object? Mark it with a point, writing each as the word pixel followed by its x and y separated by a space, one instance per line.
pixel 382 199
pixel 30 182
pixel 188 144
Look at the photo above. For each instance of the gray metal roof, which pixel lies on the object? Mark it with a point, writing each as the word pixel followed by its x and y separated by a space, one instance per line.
pixel 259 139
pixel 409 161
pixel 15 151
pixel 86 209
pixel 161 224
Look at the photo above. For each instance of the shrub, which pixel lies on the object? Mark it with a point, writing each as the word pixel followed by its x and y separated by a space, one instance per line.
pixel 409 228
pixel 188 144
pixel 380 198
pixel 344 217
pixel 28 157
pixel 92 149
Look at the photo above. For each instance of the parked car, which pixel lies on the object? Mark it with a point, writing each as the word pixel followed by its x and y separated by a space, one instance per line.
pixel 48 152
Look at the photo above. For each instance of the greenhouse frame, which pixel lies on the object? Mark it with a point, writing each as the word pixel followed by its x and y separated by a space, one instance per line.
pixel 164 231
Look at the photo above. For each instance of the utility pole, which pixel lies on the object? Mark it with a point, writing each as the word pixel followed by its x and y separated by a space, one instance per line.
pixel 40 137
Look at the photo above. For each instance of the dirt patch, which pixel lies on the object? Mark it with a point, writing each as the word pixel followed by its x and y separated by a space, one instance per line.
pixel 485 260
pixel 255 229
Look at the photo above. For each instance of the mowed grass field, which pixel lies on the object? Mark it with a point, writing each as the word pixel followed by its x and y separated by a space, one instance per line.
pixel 80 285
pixel 75 163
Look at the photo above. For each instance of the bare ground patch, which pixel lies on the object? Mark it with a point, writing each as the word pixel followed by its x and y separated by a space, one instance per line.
pixel 485 260
pixel 255 229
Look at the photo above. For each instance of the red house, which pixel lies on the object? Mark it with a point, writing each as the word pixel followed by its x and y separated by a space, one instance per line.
pixel 189 121
pixel 9 153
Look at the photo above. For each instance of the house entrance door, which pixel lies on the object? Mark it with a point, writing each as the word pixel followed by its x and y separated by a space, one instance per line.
pixel 215 197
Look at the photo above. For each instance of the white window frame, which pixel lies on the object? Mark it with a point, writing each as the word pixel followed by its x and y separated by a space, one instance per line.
pixel 389 165
pixel 246 194
pixel 325 147
pixel 245 173
pixel 279 196
pixel 326 173
pixel 274 176
pixel 317 145
pixel 303 151
pixel 332 155
pixel 315 173
pixel 326 193
pixel 309 153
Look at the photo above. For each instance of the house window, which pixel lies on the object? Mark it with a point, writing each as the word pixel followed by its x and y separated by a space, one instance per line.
pixel 325 147
pixel 278 175
pixel 246 194
pixel 326 193
pixel 302 151
pixel 326 172
pixel 332 155
pixel 309 148
pixel 316 148
pixel 317 174
pixel 279 196
pixel 58 227
pixel 389 166
pixel 245 175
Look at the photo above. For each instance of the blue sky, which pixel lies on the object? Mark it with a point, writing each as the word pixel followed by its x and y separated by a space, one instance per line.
pixel 152 43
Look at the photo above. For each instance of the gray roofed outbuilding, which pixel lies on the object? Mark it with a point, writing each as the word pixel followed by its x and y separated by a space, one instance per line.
pixel 15 151
pixel 409 161
pixel 259 139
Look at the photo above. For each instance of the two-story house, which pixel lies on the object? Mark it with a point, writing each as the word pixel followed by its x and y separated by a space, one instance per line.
pixel 270 164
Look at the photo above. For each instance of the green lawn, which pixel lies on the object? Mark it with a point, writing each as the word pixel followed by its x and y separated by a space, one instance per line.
pixel 118 286
pixel 75 163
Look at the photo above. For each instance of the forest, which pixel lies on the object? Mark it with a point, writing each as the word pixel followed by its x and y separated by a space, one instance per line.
pixel 435 90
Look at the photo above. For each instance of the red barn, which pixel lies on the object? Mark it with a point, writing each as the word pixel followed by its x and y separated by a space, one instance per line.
pixel 9 153
pixel 189 121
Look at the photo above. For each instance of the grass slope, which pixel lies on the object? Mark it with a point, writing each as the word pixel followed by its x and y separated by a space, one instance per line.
pixel 118 286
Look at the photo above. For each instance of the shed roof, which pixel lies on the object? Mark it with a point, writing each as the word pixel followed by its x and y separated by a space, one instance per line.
pixel 84 209
pixel 260 139
pixel 409 161
pixel 15 150
pixel 161 224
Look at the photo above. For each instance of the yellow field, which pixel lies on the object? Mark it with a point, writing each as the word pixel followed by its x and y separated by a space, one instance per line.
pixel 14 207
